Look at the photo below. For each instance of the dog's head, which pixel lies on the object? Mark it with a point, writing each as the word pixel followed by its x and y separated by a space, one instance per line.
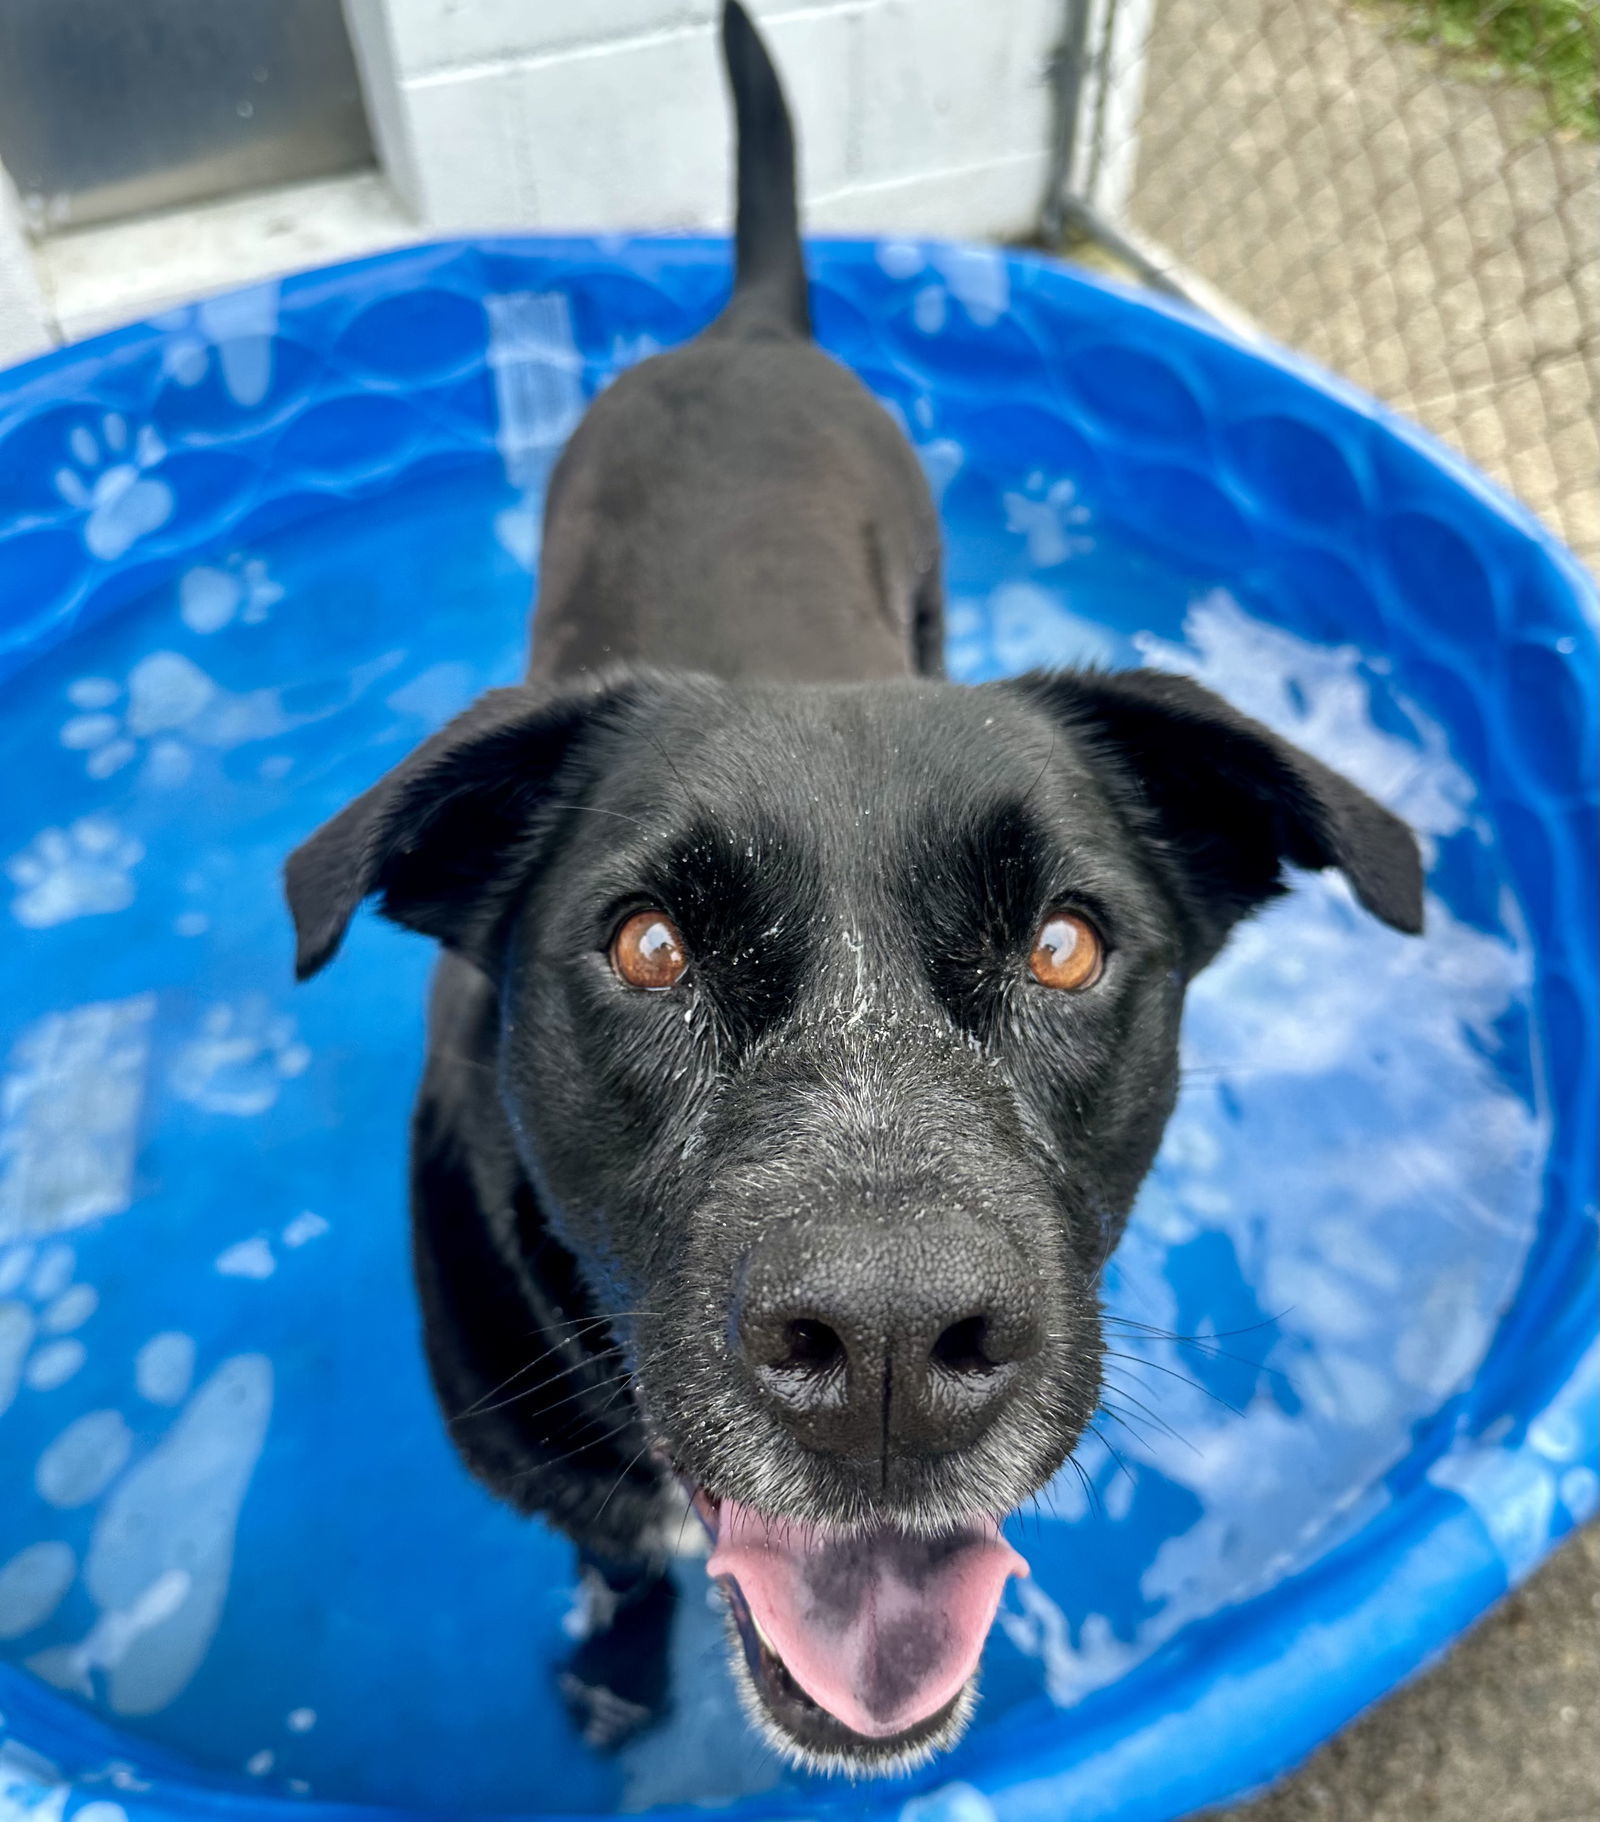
pixel 838 1027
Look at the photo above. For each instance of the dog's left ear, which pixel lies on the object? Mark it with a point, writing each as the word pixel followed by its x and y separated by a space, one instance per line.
pixel 445 835
pixel 1227 801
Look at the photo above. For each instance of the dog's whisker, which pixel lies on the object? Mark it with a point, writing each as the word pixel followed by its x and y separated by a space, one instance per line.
pixel 1055 735
pixel 594 809
pixel 621 1477
pixel 1151 1328
pixel 1203 1344
pixel 550 1328
pixel 579 1326
pixel 1118 1417
pixel 683 1519
pixel 598 1441
pixel 1136 1429
pixel 1091 1491
pixel 1115 1455
pixel 1173 1373
pixel 672 766
pixel 476 1408
pixel 549 1462
pixel 585 1391
pixel 573 1367
pixel 1154 1417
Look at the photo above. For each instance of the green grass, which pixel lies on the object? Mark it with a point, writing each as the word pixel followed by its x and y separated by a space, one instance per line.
pixel 1550 45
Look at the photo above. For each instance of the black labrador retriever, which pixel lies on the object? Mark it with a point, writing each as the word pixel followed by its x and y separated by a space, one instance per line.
pixel 805 1025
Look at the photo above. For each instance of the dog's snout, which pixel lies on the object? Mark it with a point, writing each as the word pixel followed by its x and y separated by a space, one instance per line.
pixel 887 1339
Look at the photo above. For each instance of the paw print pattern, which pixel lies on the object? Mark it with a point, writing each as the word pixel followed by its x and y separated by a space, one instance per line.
pixel 84 870
pixel 1051 519
pixel 239 1060
pixel 40 1306
pixel 95 732
pixel 254 1258
pixel 170 707
pixel 978 278
pixel 165 693
pixel 158 1560
pixel 240 588
pixel 32 1585
pixel 237 330
pixel 109 479
pixel 1021 626
pixel 70 1098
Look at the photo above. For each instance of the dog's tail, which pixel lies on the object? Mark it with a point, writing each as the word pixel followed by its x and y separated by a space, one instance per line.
pixel 769 284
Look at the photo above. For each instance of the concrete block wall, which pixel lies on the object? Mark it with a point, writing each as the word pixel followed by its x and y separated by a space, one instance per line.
pixel 915 115
pixel 24 323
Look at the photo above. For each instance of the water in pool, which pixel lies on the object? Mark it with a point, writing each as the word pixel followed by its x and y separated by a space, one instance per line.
pixel 233 1527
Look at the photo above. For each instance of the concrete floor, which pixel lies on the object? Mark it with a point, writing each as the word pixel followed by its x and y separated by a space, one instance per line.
pixel 1421 234
pixel 1426 237
pixel 1506 1729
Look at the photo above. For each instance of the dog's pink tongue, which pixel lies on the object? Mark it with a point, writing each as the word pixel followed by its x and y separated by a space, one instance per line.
pixel 880 1630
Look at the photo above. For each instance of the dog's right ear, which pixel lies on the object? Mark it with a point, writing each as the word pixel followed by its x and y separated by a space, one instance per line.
pixel 446 835
pixel 1225 801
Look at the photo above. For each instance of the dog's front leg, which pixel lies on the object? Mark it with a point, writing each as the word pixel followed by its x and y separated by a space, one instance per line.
pixel 616 1683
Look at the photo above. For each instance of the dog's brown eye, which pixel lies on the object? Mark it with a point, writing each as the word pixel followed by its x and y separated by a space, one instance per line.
pixel 648 951
pixel 1067 952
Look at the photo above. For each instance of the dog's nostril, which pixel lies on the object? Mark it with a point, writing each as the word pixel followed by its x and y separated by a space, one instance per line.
pixel 813 1346
pixel 960 1348
pixel 804 1368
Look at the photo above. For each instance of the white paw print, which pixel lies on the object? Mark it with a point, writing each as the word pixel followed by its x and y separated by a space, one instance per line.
pixel 40 1311
pixel 238 328
pixel 84 870
pixel 158 1559
pixel 1031 626
pixel 175 707
pixel 165 692
pixel 254 1258
pixel 239 1060
pixel 1049 516
pixel 107 478
pixel 210 596
pixel 930 308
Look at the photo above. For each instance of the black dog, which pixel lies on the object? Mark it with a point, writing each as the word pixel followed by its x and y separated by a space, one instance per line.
pixel 806 1023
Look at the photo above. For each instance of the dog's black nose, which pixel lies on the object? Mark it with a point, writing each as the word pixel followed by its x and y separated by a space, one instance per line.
pixel 876 1340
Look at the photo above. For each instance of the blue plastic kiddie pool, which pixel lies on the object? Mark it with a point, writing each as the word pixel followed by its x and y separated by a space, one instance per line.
pixel 251 552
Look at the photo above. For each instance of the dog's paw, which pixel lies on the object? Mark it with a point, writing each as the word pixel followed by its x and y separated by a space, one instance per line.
pixel 617 1683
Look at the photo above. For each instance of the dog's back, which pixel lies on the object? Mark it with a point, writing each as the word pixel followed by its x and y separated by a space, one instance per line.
pixel 742 505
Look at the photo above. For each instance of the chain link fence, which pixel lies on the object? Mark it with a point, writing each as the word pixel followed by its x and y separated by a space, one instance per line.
pixel 1406 190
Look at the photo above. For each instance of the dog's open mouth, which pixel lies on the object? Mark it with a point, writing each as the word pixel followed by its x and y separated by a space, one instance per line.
pixel 859 1646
